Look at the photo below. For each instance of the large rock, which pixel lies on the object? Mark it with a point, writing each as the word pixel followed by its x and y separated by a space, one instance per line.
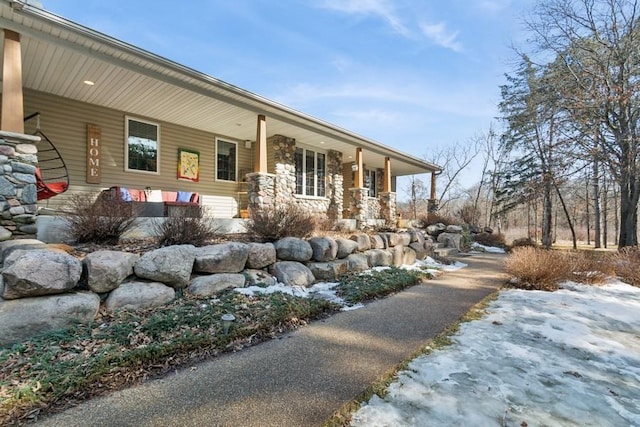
pixel 450 240
pixel 405 238
pixel 205 286
pixel 331 270
pixel 377 242
pixel 107 269
pixel 40 272
pixel 293 249
pixel 138 295
pixel 363 241
pixel 8 245
pixel 24 318
pixel 171 265
pixel 259 278
pixel 261 255
pixel 436 229
pixel 346 247
pixel 292 273
pixel 324 248
pixel 454 229
pixel 402 255
pixel 358 262
pixel 378 258
pixel 222 258
pixel 419 250
pixel 390 239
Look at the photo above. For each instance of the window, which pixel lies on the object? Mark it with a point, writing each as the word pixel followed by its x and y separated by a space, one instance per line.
pixel 142 146
pixel 226 160
pixel 310 172
pixel 370 182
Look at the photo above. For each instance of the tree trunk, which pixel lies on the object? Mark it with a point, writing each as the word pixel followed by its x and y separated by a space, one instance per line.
pixel 597 238
pixel 605 211
pixel 546 214
pixel 568 215
pixel 588 219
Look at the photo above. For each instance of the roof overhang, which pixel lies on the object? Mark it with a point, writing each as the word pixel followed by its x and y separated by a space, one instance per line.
pixel 59 55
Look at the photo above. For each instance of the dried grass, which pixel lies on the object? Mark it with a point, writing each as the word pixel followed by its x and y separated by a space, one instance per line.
pixel 627 265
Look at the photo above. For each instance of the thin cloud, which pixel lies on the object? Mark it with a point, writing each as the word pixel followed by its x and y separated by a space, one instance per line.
pixel 439 34
pixel 381 8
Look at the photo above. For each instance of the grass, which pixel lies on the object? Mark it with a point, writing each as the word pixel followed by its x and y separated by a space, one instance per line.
pixel 56 370
pixel 379 387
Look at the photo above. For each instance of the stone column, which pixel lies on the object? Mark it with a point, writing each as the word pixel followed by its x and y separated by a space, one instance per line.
pixel 388 206
pixel 261 191
pixel 284 149
pixel 18 190
pixel 335 189
pixel 359 206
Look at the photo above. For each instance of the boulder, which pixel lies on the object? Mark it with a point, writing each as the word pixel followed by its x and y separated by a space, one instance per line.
pixel 430 248
pixel 331 270
pixel 324 248
pixel 377 242
pixel 405 238
pixel 205 286
pixel 24 318
pixel 402 255
pixel 390 239
pixel 435 229
pixel 222 258
pixel 456 229
pixel 378 257
pixel 416 236
pixel 5 234
pixel 260 255
pixel 363 241
pixel 106 269
pixel 293 249
pixel 40 272
pixel 450 240
pixel 7 246
pixel 346 247
pixel 419 250
pixel 137 295
pixel 358 262
pixel 171 265
pixel 292 273
pixel 259 278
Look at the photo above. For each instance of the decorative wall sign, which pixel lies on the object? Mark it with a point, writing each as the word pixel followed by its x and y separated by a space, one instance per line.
pixel 94 169
pixel 188 165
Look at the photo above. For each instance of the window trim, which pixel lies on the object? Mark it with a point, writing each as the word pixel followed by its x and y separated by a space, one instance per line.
pixel 373 172
pixel 315 173
pixel 229 141
pixel 126 145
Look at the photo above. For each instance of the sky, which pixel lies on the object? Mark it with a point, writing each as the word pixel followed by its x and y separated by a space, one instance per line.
pixel 564 358
pixel 417 75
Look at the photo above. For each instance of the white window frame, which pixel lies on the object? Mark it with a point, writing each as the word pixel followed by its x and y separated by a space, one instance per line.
pixel 374 172
pixel 228 141
pixel 127 119
pixel 315 173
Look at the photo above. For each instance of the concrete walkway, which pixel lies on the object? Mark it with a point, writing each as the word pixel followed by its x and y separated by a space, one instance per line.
pixel 302 378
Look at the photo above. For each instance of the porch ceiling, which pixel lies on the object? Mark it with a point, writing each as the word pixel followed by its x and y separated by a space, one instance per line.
pixel 59 55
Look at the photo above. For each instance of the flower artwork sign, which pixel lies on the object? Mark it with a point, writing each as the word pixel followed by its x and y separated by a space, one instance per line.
pixel 188 165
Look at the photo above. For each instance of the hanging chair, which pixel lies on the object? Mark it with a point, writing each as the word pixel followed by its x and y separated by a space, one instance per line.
pixel 52 176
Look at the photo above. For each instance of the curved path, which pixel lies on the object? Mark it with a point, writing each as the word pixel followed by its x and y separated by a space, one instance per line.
pixel 302 378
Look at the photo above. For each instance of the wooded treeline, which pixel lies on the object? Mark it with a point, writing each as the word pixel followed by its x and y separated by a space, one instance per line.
pixel 568 147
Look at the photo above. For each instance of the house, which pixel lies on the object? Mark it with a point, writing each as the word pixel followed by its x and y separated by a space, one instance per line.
pixel 122 116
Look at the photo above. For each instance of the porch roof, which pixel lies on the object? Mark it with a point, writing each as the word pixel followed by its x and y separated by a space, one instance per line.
pixel 59 55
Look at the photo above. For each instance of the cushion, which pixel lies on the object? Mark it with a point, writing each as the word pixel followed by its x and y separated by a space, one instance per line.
pixel 155 196
pixel 184 196
pixel 125 195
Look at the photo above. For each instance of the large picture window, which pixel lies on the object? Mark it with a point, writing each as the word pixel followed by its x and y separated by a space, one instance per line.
pixel 142 146
pixel 370 182
pixel 310 172
pixel 226 160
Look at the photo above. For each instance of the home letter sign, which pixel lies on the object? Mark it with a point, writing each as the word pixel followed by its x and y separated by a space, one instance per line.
pixel 94 172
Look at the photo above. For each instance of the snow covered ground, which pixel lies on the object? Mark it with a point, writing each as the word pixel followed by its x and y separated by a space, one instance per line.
pixel 566 358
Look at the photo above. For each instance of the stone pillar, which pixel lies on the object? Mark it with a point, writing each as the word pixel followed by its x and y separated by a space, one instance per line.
pixel 285 180
pixel 261 191
pixel 359 206
pixel 388 206
pixel 335 188
pixel 18 190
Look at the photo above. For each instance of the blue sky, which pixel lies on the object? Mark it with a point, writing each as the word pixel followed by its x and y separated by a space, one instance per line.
pixel 413 74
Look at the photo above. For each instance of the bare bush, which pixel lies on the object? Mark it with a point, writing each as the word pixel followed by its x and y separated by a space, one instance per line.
pixel 434 218
pixel 522 242
pixel 96 219
pixel 490 239
pixel 591 267
pixel 283 221
pixel 192 228
pixel 627 265
pixel 538 269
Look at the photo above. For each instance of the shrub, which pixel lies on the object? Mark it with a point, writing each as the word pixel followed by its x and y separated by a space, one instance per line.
pixel 591 267
pixel 433 218
pixel 194 228
pixel 282 221
pixel 538 269
pixel 98 219
pixel 523 242
pixel 490 239
pixel 626 263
